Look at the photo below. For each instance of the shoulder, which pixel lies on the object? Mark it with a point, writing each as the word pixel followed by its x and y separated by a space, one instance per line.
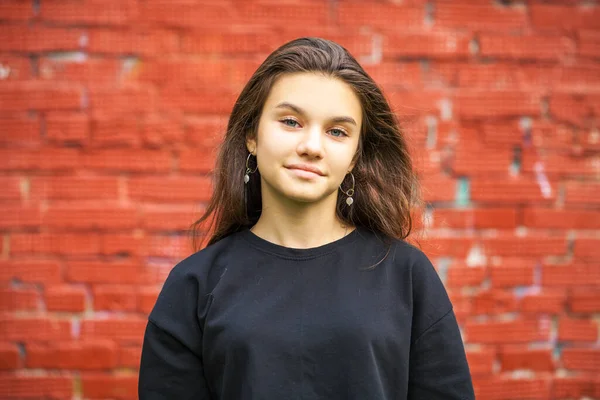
pixel 191 281
pixel 430 300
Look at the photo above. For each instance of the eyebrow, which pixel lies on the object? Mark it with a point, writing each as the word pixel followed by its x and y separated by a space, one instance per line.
pixel 300 111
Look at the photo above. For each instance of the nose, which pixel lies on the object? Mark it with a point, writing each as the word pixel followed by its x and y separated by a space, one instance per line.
pixel 311 142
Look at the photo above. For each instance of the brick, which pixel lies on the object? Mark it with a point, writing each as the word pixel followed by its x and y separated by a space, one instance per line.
pixel 551 136
pixel 78 187
pixel 461 304
pixel 171 189
pixel 18 299
pixel 118 41
pixel 460 276
pixel 16 10
pixel 529 246
pixel 549 218
pixel 197 160
pixel 65 298
pixel 21 38
pixel 589 44
pixel 30 271
pixel 204 132
pixel 83 217
pixel 20 217
pixel 281 15
pixel 19 130
pixel 438 189
pixel 156 272
pixel 114 298
pixel 556 17
pixel 86 355
pixel 431 45
pixel 480 104
pixel 44 159
pixel 526 47
pixel 129 357
pixel 575 387
pixel 577 330
pixel 146 299
pixel 521 331
pixel 501 76
pixel 121 244
pixel 169 218
pixel 519 357
pixel 500 388
pixel 513 273
pixel 481 362
pixel 198 100
pixel 36 387
pixel 177 247
pixel 70 244
pixel 89 12
pixel 385 16
pixel 228 43
pixel 574 109
pixel 547 301
pixel 122 100
pixel 10 357
pixel 39 329
pixel 34 95
pixel 582 78
pixel 11 188
pixel 100 386
pixel 96 272
pixel 475 218
pixel 181 71
pixel 121 160
pixel 484 17
pixel 583 300
pixel 477 160
pixel 570 275
pixel 416 103
pixel 577 193
pixel 446 246
pixel 84 70
pixel 493 302
pixel 67 127
pixel 108 132
pixel 15 68
pixel 518 190
pixel 581 359
pixel 160 131
pixel 183 14
pixel 125 330
pixel 587 249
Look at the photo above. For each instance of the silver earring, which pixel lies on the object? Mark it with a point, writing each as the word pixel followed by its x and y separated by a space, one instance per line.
pixel 349 192
pixel 248 170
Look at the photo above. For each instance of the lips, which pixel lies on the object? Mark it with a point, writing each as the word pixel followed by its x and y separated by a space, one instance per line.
pixel 305 167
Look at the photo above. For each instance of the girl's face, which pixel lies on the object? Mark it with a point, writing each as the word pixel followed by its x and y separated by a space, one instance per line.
pixel 307 138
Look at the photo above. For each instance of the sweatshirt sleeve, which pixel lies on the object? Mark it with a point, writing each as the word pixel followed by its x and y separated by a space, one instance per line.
pixel 438 367
pixel 171 364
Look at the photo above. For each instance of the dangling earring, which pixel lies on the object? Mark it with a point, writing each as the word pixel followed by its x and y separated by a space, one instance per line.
pixel 349 192
pixel 248 170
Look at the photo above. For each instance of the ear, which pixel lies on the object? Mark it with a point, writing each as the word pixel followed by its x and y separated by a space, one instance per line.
pixel 251 145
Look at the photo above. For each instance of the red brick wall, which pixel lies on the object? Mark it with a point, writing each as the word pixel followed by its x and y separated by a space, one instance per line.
pixel 110 110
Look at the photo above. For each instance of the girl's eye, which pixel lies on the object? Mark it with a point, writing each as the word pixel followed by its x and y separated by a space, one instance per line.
pixel 292 121
pixel 338 133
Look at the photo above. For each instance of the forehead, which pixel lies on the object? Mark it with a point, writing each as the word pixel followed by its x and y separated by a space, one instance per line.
pixel 317 94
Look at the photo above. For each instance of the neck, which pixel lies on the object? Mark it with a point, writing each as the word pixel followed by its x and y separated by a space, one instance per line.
pixel 300 225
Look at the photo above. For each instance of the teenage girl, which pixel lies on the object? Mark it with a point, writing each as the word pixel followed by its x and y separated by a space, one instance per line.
pixel 307 288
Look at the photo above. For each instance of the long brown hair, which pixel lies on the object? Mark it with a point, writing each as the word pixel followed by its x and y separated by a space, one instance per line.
pixel 386 189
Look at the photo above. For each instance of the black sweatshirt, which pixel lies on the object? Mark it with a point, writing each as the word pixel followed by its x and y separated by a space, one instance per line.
pixel 245 318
